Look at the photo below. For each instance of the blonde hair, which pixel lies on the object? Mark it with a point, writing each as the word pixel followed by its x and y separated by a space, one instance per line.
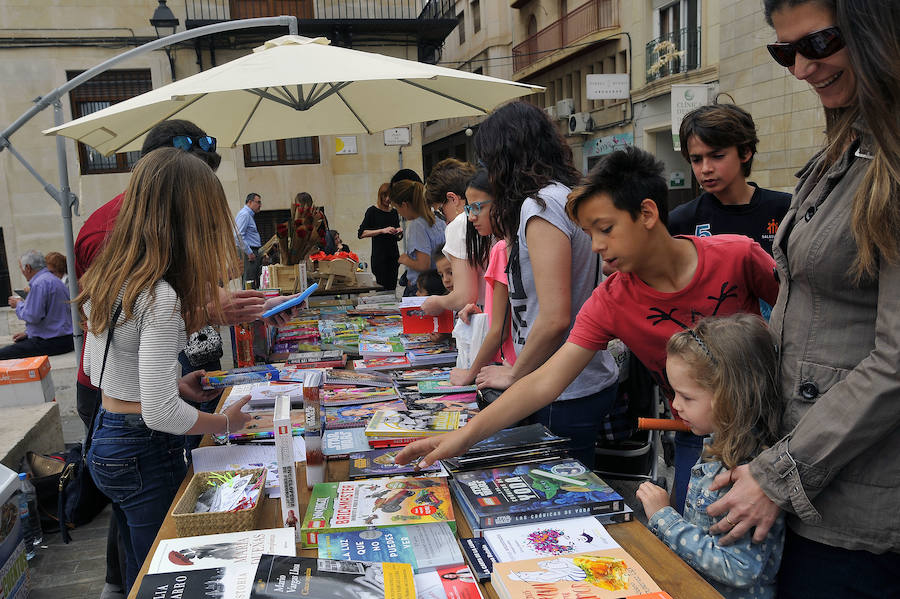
pixel 174 225
pixel 413 193
pixel 734 357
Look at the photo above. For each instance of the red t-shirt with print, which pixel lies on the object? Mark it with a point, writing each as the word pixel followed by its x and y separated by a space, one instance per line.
pixel 733 274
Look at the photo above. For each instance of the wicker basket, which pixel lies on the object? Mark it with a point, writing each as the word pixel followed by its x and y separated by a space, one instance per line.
pixel 189 524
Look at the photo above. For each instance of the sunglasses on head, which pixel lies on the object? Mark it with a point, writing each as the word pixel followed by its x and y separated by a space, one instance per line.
pixel 184 142
pixel 474 209
pixel 817 45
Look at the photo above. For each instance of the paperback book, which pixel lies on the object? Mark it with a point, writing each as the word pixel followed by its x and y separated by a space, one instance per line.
pixel 605 574
pixel 449 582
pixel 518 444
pixel 375 349
pixel 479 556
pixel 262 397
pixel 287 471
pixel 387 423
pixel 209 582
pixel 533 492
pixel 261 426
pixel 375 502
pixel 380 462
pixel 422 374
pixel 441 387
pixel 341 442
pixel 543 539
pixel 318 359
pixel 360 379
pixel 219 379
pixel 425 356
pixel 425 547
pixel 358 395
pixel 279 577
pixel 384 363
pixel 416 322
pixel 357 415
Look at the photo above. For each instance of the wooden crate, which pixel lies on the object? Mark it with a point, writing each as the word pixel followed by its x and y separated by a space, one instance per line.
pixel 284 276
pixel 336 273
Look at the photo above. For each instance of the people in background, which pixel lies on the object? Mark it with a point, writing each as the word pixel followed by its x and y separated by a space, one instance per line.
pixel 424 231
pixel 56 263
pixel 382 224
pixel 48 319
pixel 429 283
pixel 443 267
pixel 339 245
pixel 249 240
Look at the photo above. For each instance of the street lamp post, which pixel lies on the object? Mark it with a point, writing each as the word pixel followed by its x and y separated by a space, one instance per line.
pixel 165 24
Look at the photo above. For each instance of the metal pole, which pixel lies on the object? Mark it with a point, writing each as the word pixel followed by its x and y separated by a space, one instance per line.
pixel 67 203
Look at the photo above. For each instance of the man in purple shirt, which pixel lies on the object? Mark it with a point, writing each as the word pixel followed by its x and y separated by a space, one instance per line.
pixel 48 321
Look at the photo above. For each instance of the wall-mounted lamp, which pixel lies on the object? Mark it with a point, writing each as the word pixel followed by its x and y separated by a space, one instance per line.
pixel 165 24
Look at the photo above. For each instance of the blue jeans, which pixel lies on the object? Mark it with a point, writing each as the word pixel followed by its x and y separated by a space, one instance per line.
pixel 579 419
pixel 140 470
pixel 191 442
pixel 688 447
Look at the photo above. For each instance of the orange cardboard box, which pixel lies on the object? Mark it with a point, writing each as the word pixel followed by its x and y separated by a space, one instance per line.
pixel 23 370
pixel 25 381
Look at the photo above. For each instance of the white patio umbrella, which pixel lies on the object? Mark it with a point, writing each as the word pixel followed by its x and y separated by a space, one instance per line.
pixel 295 87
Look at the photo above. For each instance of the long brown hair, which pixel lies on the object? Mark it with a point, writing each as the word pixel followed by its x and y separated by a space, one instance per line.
pixel 734 357
pixel 174 225
pixel 412 193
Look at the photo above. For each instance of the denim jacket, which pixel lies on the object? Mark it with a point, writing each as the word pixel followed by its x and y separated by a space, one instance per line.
pixel 744 569
pixel 837 470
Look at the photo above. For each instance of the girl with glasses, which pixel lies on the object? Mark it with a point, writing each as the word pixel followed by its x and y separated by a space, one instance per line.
pixel 837 318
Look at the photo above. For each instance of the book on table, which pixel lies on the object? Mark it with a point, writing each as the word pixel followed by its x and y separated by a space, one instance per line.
pixel 287 471
pixel 518 444
pixel 341 442
pixel 533 491
pixel 548 538
pixel 381 363
pixel 354 377
pixel 442 387
pixel 219 379
pixel 431 356
pixel 375 349
pixel 357 415
pixel 310 578
pixel 414 375
pixel 261 426
pixel 426 546
pixel 375 502
pixel 449 582
pixel 332 358
pixel 393 424
pixel 262 397
pixel 209 582
pixel 380 462
pixel 356 395
pixel 479 557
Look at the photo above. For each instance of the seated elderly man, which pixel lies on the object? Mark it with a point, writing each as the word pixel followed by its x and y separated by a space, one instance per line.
pixel 48 320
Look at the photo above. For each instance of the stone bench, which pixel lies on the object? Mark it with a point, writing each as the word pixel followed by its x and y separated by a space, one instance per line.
pixel 34 428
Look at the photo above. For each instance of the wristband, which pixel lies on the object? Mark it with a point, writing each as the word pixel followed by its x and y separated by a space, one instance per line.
pixel 226 438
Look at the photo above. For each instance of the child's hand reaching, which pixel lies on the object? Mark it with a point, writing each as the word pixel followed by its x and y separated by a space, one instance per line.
pixel 652 497
pixel 461 376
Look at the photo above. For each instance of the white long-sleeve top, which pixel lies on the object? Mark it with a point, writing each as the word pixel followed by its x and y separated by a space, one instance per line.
pixel 143 359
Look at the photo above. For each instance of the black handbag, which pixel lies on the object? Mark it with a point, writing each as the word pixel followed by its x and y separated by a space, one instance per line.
pixel 78 495
pixel 204 346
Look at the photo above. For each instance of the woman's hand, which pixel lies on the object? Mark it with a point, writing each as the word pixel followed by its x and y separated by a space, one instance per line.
pixel 282 317
pixel 236 418
pixel 461 376
pixel 652 497
pixel 466 313
pixel 190 389
pixel 495 377
pixel 245 305
pixel 435 448
pixel 745 506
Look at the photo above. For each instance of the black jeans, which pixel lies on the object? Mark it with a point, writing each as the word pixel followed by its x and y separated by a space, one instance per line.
pixel 38 346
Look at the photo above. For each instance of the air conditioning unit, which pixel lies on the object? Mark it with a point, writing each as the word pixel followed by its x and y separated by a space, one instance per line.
pixel 580 122
pixel 565 108
pixel 551 112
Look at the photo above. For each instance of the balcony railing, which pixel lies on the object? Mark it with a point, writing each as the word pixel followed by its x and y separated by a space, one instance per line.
pixel 206 11
pixel 590 17
pixel 676 52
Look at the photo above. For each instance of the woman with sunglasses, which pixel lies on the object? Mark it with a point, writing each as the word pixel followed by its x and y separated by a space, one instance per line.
pixel 156 279
pixel 837 317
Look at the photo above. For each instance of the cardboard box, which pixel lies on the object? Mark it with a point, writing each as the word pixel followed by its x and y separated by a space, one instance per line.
pixel 25 381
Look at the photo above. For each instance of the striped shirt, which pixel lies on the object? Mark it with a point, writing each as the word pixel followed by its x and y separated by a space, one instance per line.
pixel 143 359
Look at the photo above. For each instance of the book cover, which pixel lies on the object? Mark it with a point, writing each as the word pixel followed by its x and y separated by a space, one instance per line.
pixel 341 442
pixel 422 374
pixel 375 349
pixel 450 582
pixel 516 437
pixel 209 582
pixel 387 423
pixel 279 577
pixel 318 359
pixel 358 395
pixel 425 547
pixel 532 492
pixel 379 502
pixel 416 322
pixel 262 426
pixel 238 553
pixel 263 396
pixel 479 556
pixel 380 462
pixel 383 363
pixel 542 539
pixel 361 379
pixel 440 387
pixel 422 357
pixel 606 574
pixel 219 379
pixel 357 415
pixel 287 472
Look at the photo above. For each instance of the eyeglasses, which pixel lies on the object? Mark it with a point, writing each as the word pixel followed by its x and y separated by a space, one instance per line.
pixel 184 142
pixel 817 45
pixel 474 209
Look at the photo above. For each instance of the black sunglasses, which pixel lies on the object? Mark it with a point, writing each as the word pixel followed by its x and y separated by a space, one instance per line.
pixel 184 142
pixel 817 45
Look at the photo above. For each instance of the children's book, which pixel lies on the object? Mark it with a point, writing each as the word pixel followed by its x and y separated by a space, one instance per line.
pixel 359 379
pixel 519 444
pixel 209 582
pixel 357 395
pixel 416 322
pixel 479 556
pixel 357 415
pixel 535 491
pixel 449 582
pixel 383 363
pixel 318 359
pixel 604 574
pixel 386 423
pixel 428 356
pixel 341 442
pixel 237 553
pixel 261 426
pixel 375 349
pixel 280 577
pixel 375 502
pixel 424 546
pixel 542 539
pixel 219 379
pixel 441 387
pixel 284 455
pixel 262 397
pixel 380 462
pixel 422 374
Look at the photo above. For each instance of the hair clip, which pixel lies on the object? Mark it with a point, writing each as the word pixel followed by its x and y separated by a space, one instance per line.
pixel 702 345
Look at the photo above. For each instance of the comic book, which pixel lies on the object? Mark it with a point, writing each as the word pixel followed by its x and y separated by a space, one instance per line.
pixel 348 396
pixel 380 462
pixel 387 423
pixel 357 415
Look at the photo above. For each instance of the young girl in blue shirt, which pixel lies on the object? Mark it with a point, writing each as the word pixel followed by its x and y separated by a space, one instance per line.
pixel 723 375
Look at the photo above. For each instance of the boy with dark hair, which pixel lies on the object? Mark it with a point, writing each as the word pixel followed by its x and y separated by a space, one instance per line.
pixel 719 141
pixel 664 284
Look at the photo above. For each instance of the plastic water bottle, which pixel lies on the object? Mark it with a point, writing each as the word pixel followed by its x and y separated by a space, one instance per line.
pixel 28 514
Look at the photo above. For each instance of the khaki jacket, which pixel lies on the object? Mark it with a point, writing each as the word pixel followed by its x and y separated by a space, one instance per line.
pixel 837 470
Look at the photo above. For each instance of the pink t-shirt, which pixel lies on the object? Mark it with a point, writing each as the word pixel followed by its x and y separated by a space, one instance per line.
pixel 496 271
